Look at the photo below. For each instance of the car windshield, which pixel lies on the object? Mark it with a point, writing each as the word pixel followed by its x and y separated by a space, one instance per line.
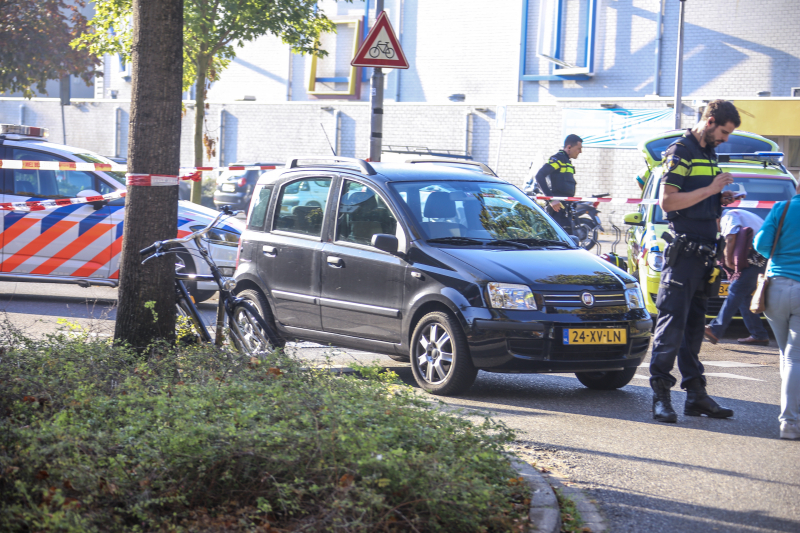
pixel 736 144
pixel 94 158
pixel 476 213
pixel 762 189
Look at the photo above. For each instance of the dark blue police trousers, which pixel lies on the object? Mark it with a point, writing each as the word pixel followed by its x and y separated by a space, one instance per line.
pixel 680 325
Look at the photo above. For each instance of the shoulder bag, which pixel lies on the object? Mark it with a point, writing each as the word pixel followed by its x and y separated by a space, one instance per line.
pixel 759 301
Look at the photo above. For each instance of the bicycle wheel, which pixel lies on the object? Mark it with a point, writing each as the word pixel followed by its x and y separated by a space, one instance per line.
pixel 374 51
pixel 250 333
pixel 389 52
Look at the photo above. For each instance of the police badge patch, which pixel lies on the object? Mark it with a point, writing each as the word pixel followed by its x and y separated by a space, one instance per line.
pixel 672 162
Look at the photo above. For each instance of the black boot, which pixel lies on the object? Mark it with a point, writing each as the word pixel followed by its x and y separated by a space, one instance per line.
pixel 662 404
pixel 698 402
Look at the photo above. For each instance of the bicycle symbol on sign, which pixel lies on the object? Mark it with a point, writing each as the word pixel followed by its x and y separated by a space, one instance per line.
pixel 384 47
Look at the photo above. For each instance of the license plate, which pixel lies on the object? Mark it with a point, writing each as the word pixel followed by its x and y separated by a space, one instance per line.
pixel 228 187
pixel 595 336
pixel 723 289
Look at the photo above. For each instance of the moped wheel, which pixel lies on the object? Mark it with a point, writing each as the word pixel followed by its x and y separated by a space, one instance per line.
pixel 586 231
pixel 250 333
pixel 440 358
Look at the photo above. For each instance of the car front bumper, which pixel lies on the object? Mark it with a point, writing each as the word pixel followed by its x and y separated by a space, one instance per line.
pixel 498 344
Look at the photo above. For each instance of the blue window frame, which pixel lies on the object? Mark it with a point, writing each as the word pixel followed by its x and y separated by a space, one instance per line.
pixel 568 47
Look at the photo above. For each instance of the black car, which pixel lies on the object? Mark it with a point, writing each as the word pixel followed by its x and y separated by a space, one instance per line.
pixel 451 269
pixel 235 185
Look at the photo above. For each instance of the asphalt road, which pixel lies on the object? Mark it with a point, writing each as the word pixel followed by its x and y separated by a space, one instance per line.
pixel 698 475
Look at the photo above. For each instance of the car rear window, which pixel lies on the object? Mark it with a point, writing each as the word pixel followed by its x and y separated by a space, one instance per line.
pixel 760 189
pixel 736 145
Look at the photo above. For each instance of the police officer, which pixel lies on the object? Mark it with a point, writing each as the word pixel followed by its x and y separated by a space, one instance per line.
pixel 557 177
pixel 691 196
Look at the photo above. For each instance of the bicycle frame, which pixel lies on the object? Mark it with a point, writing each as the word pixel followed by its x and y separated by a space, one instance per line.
pixel 227 301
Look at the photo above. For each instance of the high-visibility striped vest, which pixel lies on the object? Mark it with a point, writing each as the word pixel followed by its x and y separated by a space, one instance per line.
pixel 562 177
pixel 698 167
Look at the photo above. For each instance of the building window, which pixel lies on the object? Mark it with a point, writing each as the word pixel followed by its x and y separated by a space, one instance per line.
pixel 565 38
pixel 333 75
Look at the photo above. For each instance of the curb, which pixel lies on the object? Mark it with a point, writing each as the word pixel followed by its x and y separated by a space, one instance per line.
pixel 589 512
pixel 544 513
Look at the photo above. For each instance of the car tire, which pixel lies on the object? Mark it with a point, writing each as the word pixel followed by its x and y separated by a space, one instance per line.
pixel 262 306
pixel 440 358
pixel 198 295
pixel 609 380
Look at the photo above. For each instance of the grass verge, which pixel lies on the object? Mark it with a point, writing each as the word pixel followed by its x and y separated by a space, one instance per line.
pixel 94 437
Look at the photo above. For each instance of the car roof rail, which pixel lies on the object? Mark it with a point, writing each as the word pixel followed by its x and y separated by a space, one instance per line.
pixel 484 168
pixel 363 166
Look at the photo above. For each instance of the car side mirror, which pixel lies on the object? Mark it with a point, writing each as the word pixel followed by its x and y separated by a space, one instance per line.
pixel 633 219
pixel 385 242
pixel 576 240
pixel 99 204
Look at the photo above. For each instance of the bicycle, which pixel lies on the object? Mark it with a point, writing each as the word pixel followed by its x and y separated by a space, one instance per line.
pixel 238 321
pixel 384 47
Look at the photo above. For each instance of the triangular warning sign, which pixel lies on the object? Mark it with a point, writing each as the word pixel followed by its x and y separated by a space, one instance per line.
pixel 380 49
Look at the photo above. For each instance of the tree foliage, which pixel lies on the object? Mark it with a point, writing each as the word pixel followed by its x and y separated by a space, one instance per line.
pixel 211 31
pixel 34 44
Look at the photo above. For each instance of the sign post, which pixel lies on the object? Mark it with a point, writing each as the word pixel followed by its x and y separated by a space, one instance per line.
pixel 381 49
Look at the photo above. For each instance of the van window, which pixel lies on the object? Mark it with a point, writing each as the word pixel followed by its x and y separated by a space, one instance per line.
pixel 301 206
pixel 258 213
pixel 362 214
pixel 35 183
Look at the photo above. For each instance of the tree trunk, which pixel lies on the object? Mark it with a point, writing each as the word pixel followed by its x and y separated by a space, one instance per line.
pixel 151 213
pixel 199 117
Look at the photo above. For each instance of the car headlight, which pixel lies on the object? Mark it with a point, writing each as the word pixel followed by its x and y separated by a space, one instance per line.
pixel 655 260
pixel 634 297
pixel 510 296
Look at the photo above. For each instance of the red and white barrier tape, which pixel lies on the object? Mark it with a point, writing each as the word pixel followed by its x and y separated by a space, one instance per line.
pixel 59 165
pixel 246 167
pixel 51 204
pixel 155 180
pixel 752 204
pixel 104 167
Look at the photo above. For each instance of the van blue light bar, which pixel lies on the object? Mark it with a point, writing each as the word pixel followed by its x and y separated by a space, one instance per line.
pixel 774 158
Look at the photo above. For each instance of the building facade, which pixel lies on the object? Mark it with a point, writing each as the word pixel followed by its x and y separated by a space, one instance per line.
pixel 498 82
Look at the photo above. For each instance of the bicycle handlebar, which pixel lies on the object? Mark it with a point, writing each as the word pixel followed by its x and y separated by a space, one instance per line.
pixel 158 245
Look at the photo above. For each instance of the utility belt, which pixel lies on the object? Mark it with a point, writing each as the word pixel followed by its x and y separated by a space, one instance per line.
pixel 682 246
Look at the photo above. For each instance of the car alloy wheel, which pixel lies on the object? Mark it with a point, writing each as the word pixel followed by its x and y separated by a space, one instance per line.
pixel 440 356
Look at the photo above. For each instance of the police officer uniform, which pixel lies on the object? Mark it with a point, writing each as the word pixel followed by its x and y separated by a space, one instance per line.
pixel 557 178
pixel 682 295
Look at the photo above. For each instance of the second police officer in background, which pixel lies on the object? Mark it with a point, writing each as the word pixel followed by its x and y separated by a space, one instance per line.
pixel 692 198
pixel 557 177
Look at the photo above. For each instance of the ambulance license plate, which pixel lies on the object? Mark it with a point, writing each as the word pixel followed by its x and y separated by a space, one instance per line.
pixel 595 336
pixel 723 289
pixel 228 187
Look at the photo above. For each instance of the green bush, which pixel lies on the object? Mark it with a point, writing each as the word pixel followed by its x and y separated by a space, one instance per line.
pixel 97 438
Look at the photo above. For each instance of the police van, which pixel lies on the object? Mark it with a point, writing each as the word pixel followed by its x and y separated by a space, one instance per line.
pixel 81 243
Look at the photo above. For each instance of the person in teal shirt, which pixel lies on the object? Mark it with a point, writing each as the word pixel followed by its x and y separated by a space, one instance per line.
pixel 783 304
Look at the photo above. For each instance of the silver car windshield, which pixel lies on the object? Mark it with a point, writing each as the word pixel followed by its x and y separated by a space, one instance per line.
pixel 483 211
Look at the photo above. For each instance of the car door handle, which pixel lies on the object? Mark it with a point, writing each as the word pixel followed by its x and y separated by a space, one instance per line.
pixel 335 262
pixel 269 251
